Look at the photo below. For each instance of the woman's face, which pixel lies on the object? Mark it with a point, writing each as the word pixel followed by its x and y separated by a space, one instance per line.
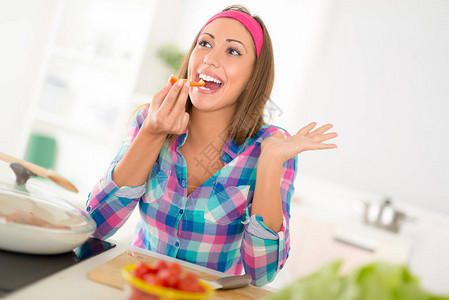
pixel 223 57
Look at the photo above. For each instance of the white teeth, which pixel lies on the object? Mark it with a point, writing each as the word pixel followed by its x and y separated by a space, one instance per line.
pixel 209 78
pixel 204 88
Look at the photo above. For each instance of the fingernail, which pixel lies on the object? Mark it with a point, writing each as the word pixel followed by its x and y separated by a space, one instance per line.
pixel 187 84
pixel 180 82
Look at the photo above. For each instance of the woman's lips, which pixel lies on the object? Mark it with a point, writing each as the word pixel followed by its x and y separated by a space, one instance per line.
pixel 204 90
pixel 210 86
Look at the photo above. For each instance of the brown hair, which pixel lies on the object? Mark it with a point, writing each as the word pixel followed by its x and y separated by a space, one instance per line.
pixel 248 117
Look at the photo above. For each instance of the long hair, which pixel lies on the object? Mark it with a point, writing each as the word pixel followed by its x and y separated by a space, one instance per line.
pixel 249 111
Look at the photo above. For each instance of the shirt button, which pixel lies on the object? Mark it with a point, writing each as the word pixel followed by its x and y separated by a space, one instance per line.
pixel 280 267
pixel 177 244
pixel 183 183
pixel 181 211
pixel 88 209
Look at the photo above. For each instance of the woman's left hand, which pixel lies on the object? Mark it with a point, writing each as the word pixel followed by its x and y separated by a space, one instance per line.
pixel 282 148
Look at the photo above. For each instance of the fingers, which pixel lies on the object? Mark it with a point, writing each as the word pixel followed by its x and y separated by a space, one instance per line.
pixel 170 98
pixel 306 129
pixel 180 104
pixel 160 96
pixel 178 115
pixel 326 146
pixel 327 136
pixel 321 130
pixel 185 122
pixel 316 137
pixel 168 113
pixel 181 123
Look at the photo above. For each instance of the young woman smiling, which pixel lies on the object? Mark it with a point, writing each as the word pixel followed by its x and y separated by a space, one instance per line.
pixel 212 180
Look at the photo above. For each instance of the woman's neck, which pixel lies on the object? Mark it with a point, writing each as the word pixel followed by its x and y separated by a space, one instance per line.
pixel 208 127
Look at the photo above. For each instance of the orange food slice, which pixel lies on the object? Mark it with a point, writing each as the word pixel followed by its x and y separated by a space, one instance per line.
pixel 196 84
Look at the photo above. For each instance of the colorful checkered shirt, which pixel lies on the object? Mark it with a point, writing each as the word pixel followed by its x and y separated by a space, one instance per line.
pixel 212 226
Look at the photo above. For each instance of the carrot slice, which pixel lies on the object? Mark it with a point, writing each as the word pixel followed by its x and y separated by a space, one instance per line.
pixel 196 84
pixel 173 79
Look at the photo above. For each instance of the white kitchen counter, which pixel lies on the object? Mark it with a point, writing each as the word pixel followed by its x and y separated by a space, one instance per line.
pixel 72 283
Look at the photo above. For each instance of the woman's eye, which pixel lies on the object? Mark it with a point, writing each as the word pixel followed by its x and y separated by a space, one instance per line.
pixel 203 43
pixel 234 51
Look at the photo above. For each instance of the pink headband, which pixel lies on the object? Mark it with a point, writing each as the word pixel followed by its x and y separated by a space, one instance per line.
pixel 249 22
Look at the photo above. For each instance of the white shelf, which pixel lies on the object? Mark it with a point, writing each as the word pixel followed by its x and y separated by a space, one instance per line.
pixel 120 67
pixel 51 123
pixel 87 80
pixel 97 63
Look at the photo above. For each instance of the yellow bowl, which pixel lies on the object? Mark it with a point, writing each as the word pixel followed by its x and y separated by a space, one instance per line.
pixel 163 292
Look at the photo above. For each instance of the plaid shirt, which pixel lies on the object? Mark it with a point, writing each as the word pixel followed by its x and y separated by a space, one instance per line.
pixel 212 226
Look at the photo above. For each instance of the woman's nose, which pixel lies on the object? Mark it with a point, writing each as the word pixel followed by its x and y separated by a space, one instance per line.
pixel 211 59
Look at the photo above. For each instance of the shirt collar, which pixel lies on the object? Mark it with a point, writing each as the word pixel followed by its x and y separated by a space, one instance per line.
pixel 182 138
pixel 231 148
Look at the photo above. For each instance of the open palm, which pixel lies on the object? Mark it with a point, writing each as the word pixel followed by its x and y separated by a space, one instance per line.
pixel 284 148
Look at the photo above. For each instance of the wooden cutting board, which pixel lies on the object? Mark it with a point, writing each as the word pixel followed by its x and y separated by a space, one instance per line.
pixel 109 274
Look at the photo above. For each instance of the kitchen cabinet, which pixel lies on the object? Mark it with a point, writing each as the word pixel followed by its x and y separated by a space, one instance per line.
pixel 317 239
pixel 316 242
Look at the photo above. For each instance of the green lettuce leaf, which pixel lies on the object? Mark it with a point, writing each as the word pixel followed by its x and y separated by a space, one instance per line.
pixel 375 281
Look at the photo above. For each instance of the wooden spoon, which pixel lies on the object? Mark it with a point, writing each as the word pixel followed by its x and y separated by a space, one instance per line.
pixel 38 170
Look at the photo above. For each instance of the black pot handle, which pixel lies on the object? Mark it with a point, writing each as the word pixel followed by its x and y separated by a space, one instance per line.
pixel 22 173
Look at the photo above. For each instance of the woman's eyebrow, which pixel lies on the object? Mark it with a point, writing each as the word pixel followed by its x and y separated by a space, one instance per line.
pixel 209 35
pixel 232 40
pixel 227 40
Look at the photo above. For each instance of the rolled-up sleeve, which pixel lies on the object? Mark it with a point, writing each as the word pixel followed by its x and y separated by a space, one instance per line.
pixel 265 252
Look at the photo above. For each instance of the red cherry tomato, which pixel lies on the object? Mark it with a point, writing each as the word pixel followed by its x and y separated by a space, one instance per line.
pixel 191 277
pixel 186 286
pixel 168 275
pixel 160 265
pixel 200 289
pixel 188 282
pixel 175 267
pixel 141 269
pixel 150 278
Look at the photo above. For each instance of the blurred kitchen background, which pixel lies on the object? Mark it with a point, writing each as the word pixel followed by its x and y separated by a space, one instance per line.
pixel 73 71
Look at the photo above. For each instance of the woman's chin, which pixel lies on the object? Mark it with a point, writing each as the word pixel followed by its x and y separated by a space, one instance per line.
pixel 205 102
pixel 202 102
pixel 202 105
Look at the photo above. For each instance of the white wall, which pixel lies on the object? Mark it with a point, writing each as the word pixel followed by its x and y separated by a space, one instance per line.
pixel 24 29
pixel 381 76
pixel 378 71
pixel 165 25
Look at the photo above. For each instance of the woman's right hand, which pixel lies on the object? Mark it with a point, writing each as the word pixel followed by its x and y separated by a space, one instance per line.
pixel 166 113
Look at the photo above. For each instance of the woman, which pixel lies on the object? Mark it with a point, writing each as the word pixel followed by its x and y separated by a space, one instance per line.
pixel 213 182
